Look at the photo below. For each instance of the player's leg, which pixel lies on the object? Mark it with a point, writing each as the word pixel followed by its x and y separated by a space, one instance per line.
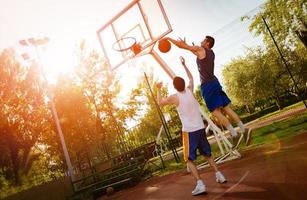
pixel 189 154
pixel 246 131
pixel 233 116
pixel 193 169
pixel 205 149
pixel 200 186
pixel 222 119
pixel 218 174
pixel 215 99
pixel 212 163
pixel 236 138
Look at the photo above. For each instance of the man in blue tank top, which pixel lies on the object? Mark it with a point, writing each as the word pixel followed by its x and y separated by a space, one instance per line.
pixel 216 99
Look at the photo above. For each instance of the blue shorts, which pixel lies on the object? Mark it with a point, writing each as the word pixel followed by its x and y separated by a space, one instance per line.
pixel 214 95
pixel 193 141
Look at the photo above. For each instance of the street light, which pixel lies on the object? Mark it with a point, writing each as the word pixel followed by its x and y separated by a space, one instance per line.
pixel 36 43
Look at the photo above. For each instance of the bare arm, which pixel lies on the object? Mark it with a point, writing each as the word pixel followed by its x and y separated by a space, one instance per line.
pixel 197 50
pixel 191 80
pixel 173 99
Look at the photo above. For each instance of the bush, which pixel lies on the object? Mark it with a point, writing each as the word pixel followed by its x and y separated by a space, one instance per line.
pixel 258 114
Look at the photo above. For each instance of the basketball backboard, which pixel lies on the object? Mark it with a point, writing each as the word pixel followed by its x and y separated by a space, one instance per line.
pixel 142 21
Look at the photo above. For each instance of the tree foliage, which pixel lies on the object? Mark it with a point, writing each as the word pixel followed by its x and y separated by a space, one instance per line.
pixel 24 117
pixel 284 18
pixel 253 77
pixel 260 74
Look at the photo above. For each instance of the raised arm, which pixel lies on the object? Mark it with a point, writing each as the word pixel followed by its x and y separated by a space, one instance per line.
pixel 173 99
pixel 191 80
pixel 181 43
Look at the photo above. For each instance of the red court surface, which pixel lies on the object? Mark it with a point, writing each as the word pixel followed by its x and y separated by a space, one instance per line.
pixel 276 171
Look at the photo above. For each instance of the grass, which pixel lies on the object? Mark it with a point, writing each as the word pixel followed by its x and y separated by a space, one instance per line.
pixel 279 130
pixel 170 167
pixel 296 105
pixel 265 135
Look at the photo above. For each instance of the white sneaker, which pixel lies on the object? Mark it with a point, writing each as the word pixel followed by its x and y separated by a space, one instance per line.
pixel 188 169
pixel 199 189
pixel 220 177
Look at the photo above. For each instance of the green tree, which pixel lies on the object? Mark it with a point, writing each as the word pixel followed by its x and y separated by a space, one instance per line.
pixel 148 122
pixel 76 120
pixel 257 75
pixel 24 117
pixel 284 19
pixel 101 87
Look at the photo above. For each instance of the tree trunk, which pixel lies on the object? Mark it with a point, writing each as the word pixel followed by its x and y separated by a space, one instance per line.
pixel 15 164
pixel 250 109
pixel 278 102
pixel 106 150
pixel 79 163
pixel 247 108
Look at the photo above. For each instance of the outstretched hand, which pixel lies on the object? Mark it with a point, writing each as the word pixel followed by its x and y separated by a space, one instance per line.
pixel 182 60
pixel 182 41
pixel 159 85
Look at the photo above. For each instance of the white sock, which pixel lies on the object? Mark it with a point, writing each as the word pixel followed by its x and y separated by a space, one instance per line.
pixel 241 125
pixel 200 182
pixel 232 131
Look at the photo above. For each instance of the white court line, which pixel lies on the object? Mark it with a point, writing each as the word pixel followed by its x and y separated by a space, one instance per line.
pixel 294 145
pixel 235 185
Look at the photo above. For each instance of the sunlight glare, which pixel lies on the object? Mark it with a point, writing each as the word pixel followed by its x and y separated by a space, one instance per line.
pixel 57 59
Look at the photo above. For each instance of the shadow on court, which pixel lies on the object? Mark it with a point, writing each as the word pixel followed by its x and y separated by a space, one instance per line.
pixel 275 171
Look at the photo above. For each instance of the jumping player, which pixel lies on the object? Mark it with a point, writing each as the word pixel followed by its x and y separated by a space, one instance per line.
pixel 216 99
pixel 193 128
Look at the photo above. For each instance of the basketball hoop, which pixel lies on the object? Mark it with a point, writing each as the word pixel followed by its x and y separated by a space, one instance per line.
pixel 127 43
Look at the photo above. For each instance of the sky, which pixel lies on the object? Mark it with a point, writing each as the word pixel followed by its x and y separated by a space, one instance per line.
pixel 67 22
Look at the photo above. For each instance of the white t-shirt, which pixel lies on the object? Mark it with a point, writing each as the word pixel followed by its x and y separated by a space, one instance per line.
pixel 189 112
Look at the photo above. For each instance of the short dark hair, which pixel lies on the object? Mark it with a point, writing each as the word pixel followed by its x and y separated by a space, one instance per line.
pixel 210 40
pixel 179 83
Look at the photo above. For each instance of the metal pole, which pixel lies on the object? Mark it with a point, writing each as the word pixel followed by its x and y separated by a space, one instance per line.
pixel 59 129
pixel 162 161
pixel 284 61
pixel 57 121
pixel 163 122
pixel 163 64
pixel 301 36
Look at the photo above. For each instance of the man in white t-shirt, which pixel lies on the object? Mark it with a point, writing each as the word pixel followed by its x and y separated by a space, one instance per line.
pixel 193 128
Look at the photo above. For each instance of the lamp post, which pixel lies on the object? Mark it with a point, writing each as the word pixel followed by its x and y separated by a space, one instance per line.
pixel 36 43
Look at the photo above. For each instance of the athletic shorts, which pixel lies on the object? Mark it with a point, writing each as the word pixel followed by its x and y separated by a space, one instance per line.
pixel 214 95
pixel 193 141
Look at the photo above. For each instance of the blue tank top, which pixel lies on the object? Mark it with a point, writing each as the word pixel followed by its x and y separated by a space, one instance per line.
pixel 206 67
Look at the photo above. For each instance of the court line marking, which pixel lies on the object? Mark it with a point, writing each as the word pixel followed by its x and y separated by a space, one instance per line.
pixel 232 187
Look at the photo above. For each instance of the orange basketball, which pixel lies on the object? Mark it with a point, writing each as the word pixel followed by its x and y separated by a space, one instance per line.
pixel 110 191
pixel 137 48
pixel 164 45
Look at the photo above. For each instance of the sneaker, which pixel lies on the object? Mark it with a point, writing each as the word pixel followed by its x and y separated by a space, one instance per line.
pixel 220 177
pixel 247 136
pixel 188 169
pixel 236 140
pixel 199 189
